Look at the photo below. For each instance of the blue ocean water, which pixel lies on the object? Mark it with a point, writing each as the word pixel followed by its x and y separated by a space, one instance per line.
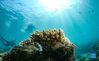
pixel 80 22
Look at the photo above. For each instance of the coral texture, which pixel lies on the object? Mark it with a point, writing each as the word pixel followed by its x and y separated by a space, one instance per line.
pixel 47 45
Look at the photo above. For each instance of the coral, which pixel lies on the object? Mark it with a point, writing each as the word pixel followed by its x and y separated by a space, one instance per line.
pixel 95 47
pixel 47 45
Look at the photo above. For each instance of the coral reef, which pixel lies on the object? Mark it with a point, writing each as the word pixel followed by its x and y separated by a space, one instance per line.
pixel 96 48
pixel 92 54
pixel 47 45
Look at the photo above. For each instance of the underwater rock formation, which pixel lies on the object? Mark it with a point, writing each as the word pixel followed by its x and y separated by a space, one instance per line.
pixel 47 45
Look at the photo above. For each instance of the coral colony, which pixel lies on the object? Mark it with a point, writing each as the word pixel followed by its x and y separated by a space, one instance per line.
pixel 47 45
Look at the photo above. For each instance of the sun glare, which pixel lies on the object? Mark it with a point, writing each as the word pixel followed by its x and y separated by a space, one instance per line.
pixel 55 4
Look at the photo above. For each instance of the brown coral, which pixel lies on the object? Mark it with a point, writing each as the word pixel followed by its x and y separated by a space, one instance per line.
pixel 51 37
pixel 47 45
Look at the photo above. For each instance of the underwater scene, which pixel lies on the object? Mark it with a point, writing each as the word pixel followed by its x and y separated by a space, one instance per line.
pixel 49 30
